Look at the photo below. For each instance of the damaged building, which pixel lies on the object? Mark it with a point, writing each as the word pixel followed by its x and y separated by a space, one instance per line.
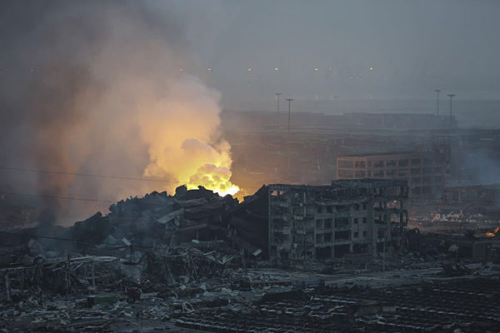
pixel 426 172
pixel 349 217
pixel 482 201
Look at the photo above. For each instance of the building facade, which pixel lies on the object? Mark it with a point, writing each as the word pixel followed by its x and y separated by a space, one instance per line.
pixel 427 172
pixel 323 223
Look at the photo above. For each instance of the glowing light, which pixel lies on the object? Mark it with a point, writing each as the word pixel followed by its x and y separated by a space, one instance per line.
pixel 209 69
pixel 215 178
pixel 371 68
pixel 494 233
pixel 276 69
pixel 249 69
pixel 316 69
pixel 180 139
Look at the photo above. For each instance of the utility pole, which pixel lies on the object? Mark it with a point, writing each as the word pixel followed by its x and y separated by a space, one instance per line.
pixel 289 140
pixel 289 102
pixel 451 105
pixel 278 108
pixel 437 100
pixel 383 262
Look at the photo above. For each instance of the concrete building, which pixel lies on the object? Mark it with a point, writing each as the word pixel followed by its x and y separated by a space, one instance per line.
pixel 425 171
pixel 348 217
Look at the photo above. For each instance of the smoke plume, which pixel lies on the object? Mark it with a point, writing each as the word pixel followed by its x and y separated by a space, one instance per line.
pixel 101 88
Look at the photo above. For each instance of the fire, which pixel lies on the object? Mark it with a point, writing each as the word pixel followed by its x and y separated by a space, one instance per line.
pixel 494 233
pixel 183 138
pixel 215 178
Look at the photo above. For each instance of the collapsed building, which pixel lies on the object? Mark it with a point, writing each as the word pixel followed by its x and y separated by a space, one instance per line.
pixel 349 217
pixel 184 262
pixel 474 203
pixel 477 195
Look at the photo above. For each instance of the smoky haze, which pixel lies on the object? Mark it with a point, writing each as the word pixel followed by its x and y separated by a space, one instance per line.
pixel 413 47
pixel 134 88
pixel 97 88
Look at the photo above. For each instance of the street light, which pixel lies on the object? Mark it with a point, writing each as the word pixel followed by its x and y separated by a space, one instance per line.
pixel 451 105
pixel 289 102
pixel 437 100
pixel 278 108
pixel 289 148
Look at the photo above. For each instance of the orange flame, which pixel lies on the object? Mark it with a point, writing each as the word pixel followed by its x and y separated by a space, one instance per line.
pixel 494 233
pixel 183 138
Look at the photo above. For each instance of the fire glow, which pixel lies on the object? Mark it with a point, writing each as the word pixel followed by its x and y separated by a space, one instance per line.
pixel 183 138
pixel 215 178
pixel 494 233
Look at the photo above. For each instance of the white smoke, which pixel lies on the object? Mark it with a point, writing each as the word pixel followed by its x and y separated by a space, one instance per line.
pixel 111 97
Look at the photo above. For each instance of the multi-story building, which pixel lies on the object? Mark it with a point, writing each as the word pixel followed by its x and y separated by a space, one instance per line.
pixel 364 216
pixel 471 196
pixel 426 172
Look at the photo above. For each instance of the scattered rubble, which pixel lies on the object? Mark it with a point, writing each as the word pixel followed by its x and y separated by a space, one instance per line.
pixel 195 261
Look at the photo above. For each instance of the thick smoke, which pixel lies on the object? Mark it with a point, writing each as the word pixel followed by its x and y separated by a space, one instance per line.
pixel 100 87
pixel 482 167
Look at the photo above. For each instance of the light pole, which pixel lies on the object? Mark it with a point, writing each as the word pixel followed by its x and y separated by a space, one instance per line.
pixel 451 105
pixel 289 139
pixel 437 100
pixel 278 108
pixel 289 102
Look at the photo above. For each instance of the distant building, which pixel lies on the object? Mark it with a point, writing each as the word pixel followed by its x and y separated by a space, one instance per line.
pixel 426 172
pixel 327 222
pixel 398 121
pixel 487 196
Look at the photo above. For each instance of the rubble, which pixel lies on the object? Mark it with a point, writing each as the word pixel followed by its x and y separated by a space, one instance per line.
pixel 196 261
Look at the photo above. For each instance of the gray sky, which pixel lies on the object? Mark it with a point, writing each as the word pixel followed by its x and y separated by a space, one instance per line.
pixel 413 47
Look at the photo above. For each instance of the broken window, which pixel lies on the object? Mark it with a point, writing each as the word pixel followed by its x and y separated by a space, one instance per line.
pixel 342 235
pixel 341 222
pixel 346 173
pixel 403 163
pixel 346 163
pixel 319 238
pixel 360 164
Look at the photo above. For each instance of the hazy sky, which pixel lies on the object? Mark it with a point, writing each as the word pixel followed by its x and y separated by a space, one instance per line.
pixel 413 47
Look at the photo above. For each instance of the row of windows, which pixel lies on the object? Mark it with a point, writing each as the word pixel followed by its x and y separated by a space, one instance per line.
pixel 377 174
pixel 340 208
pixel 339 222
pixel 350 164
pixel 382 163
pixel 327 237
